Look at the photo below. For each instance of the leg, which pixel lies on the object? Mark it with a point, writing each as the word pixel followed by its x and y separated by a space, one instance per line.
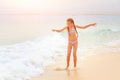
pixel 68 54
pixel 75 46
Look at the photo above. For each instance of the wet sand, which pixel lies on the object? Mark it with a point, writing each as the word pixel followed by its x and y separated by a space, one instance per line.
pixel 103 66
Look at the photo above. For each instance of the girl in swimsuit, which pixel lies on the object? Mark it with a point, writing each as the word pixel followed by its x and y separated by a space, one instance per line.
pixel 72 39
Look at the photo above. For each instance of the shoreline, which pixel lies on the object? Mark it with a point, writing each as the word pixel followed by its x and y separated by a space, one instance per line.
pixel 104 65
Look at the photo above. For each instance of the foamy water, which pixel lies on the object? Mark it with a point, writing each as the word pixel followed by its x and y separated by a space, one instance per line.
pixel 21 57
pixel 22 60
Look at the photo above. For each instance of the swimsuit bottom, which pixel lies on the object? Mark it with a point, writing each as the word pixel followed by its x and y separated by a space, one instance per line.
pixel 73 42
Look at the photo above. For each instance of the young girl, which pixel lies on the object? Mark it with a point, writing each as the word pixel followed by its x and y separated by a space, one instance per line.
pixel 72 39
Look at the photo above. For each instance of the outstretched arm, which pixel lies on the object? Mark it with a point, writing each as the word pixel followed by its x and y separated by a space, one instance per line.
pixel 84 27
pixel 60 30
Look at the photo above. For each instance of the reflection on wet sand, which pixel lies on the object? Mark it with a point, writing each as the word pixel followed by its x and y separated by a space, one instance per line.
pixel 73 74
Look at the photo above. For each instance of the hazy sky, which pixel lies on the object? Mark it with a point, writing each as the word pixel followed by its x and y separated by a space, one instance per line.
pixel 60 7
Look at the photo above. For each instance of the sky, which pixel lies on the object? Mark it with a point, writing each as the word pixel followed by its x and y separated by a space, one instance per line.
pixel 60 7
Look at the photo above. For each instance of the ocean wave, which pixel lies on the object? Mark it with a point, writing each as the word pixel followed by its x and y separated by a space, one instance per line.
pixel 97 38
pixel 107 31
pixel 23 60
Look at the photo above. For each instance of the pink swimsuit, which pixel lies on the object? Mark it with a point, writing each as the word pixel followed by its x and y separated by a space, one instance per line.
pixel 72 32
pixel 73 42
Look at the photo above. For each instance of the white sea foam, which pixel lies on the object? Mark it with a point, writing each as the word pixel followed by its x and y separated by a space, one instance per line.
pixel 20 61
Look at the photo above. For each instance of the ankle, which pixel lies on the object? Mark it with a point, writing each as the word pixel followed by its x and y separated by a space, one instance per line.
pixel 75 66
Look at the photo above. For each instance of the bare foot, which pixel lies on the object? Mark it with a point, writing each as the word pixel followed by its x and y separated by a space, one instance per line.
pixel 75 68
pixel 66 68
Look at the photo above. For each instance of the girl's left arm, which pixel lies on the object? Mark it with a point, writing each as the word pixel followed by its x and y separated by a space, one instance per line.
pixel 84 27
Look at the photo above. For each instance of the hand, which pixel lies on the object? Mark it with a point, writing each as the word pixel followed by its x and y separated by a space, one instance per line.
pixel 53 30
pixel 94 24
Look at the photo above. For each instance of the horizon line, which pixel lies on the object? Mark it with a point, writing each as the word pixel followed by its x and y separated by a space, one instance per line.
pixel 57 14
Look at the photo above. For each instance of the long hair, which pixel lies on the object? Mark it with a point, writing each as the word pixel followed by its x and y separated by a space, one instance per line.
pixel 72 21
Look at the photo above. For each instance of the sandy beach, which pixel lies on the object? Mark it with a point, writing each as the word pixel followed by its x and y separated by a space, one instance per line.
pixel 103 66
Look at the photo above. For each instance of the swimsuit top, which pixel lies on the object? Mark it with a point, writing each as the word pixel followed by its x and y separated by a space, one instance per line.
pixel 72 31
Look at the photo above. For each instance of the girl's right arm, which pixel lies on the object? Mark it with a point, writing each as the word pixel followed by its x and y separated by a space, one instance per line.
pixel 60 30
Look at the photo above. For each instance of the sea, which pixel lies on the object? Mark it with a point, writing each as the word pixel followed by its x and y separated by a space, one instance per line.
pixel 28 45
